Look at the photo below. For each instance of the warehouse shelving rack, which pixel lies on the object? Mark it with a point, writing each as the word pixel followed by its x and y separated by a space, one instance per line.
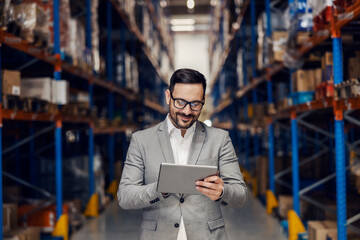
pixel 57 119
pixel 341 110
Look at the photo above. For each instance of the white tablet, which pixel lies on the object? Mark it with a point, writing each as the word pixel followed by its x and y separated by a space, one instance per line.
pixel 174 178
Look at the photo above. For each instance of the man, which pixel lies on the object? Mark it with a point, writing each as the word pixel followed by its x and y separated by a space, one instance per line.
pixel 181 139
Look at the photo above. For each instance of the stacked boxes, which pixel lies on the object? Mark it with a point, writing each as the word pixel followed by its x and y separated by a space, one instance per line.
pixel 10 88
pixel 318 230
pixel 9 217
pixel 279 44
pixel 45 89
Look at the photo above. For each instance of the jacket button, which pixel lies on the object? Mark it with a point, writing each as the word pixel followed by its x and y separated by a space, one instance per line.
pixel 176 225
pixel 182 200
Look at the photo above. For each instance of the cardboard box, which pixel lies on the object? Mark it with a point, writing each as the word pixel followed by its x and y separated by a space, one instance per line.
pixel 318 76
pixel 279 44
pixel 39 88
pixel 10 82
pixel 60 92
pixel 303 81
pixel 352 68
pixel 302 37
pixel 318 230
pixel 262 174
pixel 29 233
pixel 286 203
pixel 9 216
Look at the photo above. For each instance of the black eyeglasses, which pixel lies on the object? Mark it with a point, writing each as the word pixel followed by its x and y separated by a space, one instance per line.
pixel 180 103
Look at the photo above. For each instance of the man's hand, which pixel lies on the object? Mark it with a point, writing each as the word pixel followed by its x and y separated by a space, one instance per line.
pixel 212 187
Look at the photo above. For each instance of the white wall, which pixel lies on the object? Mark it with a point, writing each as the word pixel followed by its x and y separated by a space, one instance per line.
pixel 191 51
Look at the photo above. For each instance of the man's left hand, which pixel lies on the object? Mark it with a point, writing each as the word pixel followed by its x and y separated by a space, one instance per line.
pixel 212 187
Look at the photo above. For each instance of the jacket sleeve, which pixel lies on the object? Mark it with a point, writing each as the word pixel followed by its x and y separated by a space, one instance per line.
pixel 235 192
pixel 132 192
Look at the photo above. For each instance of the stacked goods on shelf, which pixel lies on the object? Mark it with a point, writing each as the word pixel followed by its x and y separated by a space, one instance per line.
pixel 354 170
pixel 95 37
pixel 131 73
pixel 10 88
pixel 304 84
pixel 44 91
pixel 10 225
pixel 279 39
pixel 40 217
pixel 286 204
pixel 350 88
pixel 31 23
pixel 281 96
pixel 318 230
pixel 79 103
pixel 28 233
pixel 266 47
pixel 76 169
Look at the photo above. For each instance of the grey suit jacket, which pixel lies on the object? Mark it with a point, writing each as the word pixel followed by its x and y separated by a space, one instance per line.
pixel 161 217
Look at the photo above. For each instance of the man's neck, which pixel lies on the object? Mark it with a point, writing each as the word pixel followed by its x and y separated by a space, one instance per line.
pixel 183 131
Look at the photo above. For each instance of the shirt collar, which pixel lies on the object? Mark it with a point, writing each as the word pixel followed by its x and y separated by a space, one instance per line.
pixel 172 128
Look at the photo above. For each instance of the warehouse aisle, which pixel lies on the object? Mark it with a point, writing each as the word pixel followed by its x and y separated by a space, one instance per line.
pixel 249 223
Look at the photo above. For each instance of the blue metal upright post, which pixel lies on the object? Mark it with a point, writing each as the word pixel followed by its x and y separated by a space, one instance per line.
pixel 339 141
pixel 270 101
pixel 1 126
pixel 295 164
pixel 32 155
pixel 91 90
pixel 123 81
pixel 253 66
pixel 110 78
pixel 58 129
pixel 245 98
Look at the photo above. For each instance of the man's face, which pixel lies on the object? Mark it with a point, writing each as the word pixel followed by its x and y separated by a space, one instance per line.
pixel 184 118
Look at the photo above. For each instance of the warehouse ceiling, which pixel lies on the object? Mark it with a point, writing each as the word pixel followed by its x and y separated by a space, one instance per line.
pixel 199 17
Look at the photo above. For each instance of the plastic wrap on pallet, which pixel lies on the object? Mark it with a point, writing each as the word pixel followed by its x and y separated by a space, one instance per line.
pixel 65 17
pixel 95 35
pixel 239 69
pixel 6 13
pixel 265 54
pixel 322 12
pixel 76 41
pixel 33 22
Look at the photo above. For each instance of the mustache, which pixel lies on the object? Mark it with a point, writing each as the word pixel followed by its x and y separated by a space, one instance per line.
pixel 184 115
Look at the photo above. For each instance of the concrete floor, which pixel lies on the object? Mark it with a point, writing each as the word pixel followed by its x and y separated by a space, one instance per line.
pixel 248 223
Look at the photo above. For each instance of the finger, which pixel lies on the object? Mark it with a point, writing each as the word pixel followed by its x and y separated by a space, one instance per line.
pixel 208 192
pixel 207 185
pixel 213 179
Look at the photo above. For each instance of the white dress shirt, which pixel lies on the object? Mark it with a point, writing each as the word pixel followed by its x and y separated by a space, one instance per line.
pixel 180 148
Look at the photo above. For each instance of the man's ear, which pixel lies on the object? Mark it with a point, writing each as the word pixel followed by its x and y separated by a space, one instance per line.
pixel 167 96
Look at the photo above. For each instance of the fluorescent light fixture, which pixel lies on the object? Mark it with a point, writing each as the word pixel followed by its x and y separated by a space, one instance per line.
pixel 183 28
pixel 184 21
pixel 190 4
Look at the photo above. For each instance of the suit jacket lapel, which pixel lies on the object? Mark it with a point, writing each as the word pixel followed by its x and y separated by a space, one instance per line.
pixel 165 144
pixel 197 144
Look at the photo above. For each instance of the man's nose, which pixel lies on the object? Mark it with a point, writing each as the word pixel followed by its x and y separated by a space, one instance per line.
pixel 187 110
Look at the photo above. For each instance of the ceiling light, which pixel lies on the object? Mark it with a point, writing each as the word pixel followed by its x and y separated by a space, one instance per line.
pixel 190 4
pixel 184 21
pixel 183 28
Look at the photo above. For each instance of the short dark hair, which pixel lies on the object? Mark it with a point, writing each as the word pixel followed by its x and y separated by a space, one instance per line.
pixel 187 76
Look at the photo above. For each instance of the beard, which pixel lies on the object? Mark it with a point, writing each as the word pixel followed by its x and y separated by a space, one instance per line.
pixel 177 120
